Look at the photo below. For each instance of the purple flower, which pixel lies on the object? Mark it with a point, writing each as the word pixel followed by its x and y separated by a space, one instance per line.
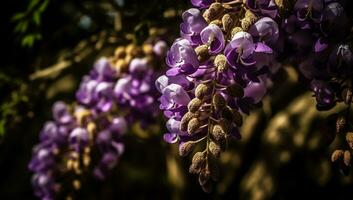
pixel 241 49
pixel 213 36
pixel 309 9
pixel 163 81
pixel 60 113
pixel 78 139
pixel 265 7
pixel 266 30
pixel 181 58
pixel 174 96
pixel 256 90
pixel 192 25
pixel 160 48
pixel 201 3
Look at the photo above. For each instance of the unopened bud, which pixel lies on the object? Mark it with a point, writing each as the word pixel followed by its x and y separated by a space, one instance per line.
pixel 235 90
pixel 197 163
pixel 347 96
pixel 193 125
pixel 217 22
pixel 147 49
pixel 218 101
pixel 119 52
pixel 227 22
pixel 194 105
pixel 340 124
pixel 250 16
pixel 236 30
pixel 226 125
pixel 202 53
pixel 185 120
pixel 227 113
pixel 213 12
pixel 186 147
pixel 218 133
pixel 207 187
pixel 202 90
pixel 215 149
pixel 221 63
pixel 349 139
pixel 204 176
pixel 121 65
pixel 337 155
pixel 347 158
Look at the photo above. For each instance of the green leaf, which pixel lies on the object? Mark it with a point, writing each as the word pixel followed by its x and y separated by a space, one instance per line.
pixel 18 16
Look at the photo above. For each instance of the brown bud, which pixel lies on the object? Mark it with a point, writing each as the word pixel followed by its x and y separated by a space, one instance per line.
pixel 349 139
pixel 215 10
pixel 202 53
pixel 347 158
pixel 215 149
pixel 204 176
pixel 235 90
pixel 227 22
pixel 193 125
pixel 238 118
pixel 218 101
pixel 347 95
pixel 226 125
pixel 194 105
pixel 217 22
pixel 197 163
pixel 340 124
pixel 186 147
pixel 218 133
pixel 221 63
pixel 337 155
pixel 185 120
pixel 203 90
pixel 121 65
pixel 119 52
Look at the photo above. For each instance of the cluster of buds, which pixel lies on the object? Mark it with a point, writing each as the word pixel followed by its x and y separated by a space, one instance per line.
pixel 218 70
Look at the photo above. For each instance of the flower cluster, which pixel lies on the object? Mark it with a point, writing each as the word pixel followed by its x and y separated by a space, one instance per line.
pixel 118 91
pixel 218 69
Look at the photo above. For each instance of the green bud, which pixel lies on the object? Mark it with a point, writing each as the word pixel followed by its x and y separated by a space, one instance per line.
pixel 349 139
pixel 215 149
pixel 236 30
pixel 204 176
pixel 340 124
pixel 337 155
pixel 218 101
pixel 227 22
pixel 218 133
pixel 347 158
pixel 198 162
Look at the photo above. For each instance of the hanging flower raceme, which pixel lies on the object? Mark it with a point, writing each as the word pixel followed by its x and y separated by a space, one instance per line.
pixel 218 69
pixel 117 92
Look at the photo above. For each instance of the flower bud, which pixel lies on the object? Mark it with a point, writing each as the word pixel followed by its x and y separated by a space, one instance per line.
pixel 235 90
pixel 225 124
pixel 119 52
pixel 349 139
pixel 236 30
pixel 215 10
pixel 202 53
pixel 217 22
pixel 202 90
pixel 227 22
pixel 193 125
pixel 337 155
pixel 227 113
pixel 215 149
pixel 194 105
pixel 249 19
pixel 218 133
pixel 186 147
pixel 185 120
pixel 197 163
pixel 218 101
pixel 204 176
pixel 221 63
pixel 147 49
pixel 340 124
pixel 347 158
pixel 347 96
pixel 207 187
